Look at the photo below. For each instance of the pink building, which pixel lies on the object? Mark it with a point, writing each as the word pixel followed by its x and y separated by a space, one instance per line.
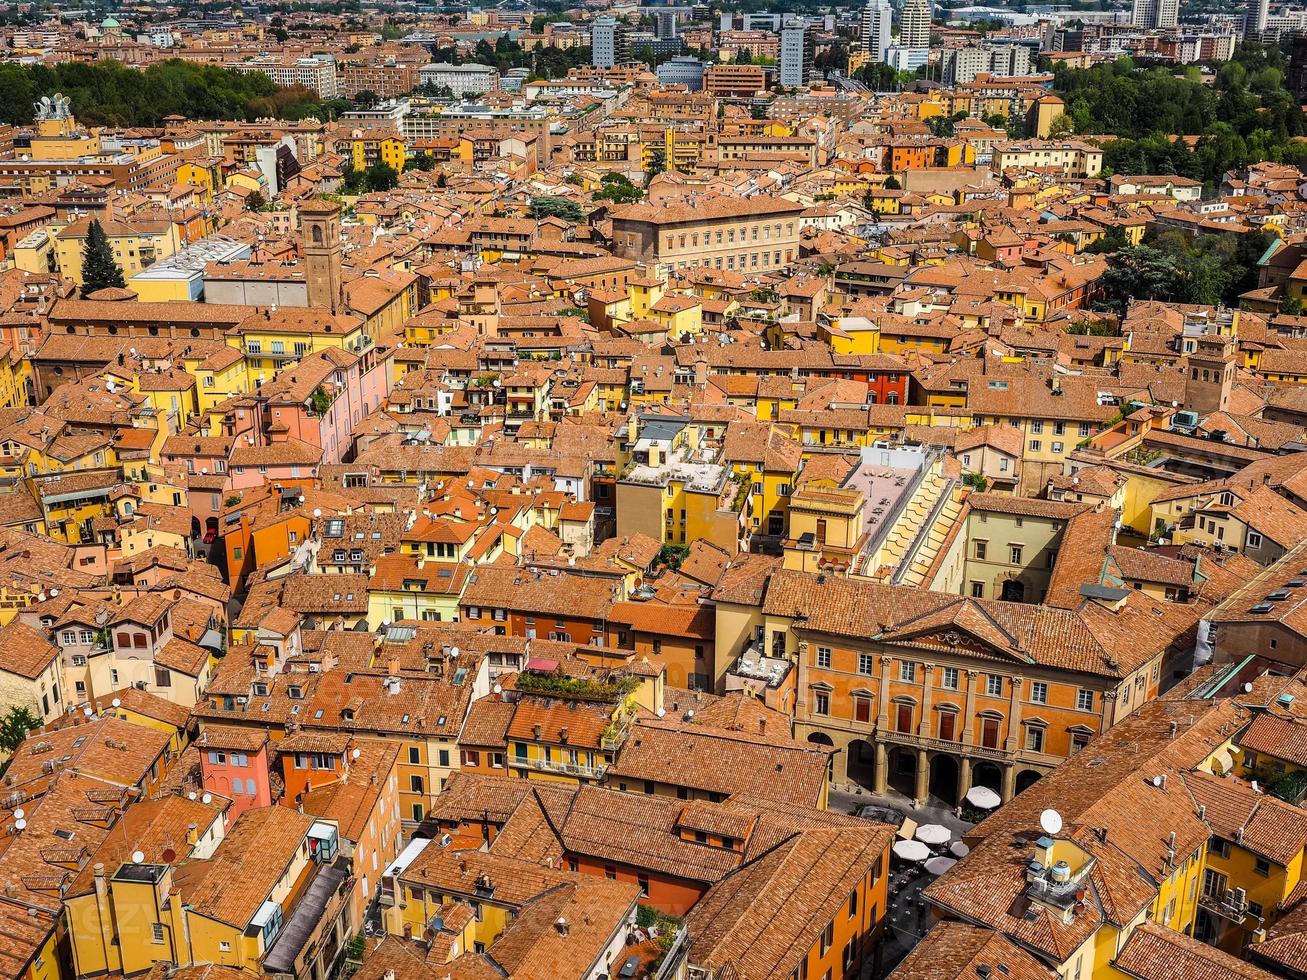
pixel 322 398
pixel 234 764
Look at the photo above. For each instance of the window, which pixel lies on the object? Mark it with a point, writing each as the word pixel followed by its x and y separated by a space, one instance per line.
pixel 1034 739
pixel 989 728
pixel 978 590
pixel 415 784
pixel 1036 446
pixel 224 946
pixel 948 679
pixel 1254 539
pixel 471 758
pixel 861 708
pixel 1078 741
pixel 414 755
pixel 821 703
pixel 823 657
pixel 903 717
pixel 1039 692
pixel 1057 447
pixel 981 547
pixel 1263 867
pixel 162 677
pixel 1015 551
pixel 643 882
pixel 866 663
pixel 1037 426
pixel 827 937
pixel 156 932
pixel 1085 700
pixel 948 722
pixel 994 685
pixel 907 671
pixel 1219 846
pixel 853 903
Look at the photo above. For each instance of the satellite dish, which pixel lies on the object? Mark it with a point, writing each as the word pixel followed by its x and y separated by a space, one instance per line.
pixel 20 825
pixel 191 795
pixel 1050 821
pixel 54 593
pixel 116 702
pixel 317 511
pixel 206 798
pixel 138 857
pixel 453 652
pixel 499 689
pixel 1157 780
pixel 89 711
pixel 168 855
pixel 1248 688
pixel 19 814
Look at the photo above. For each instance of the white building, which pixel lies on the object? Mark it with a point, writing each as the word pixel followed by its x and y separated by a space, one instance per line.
pixel 1155 14
pixel 796 54
pixel 317 73
pixel 608 42
pixel 914 32
pixel 877 22
pixel 961 65
pixel 461 79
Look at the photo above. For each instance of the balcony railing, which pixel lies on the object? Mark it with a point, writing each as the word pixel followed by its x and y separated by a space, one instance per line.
pixel 1224 905
pixel 562 768
pixel 943 745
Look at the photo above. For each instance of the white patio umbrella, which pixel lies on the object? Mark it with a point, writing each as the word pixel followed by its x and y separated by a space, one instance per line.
pixel 938 865
pixel 983 797
pixel 933 833
pixel 911 850
pixel 959 849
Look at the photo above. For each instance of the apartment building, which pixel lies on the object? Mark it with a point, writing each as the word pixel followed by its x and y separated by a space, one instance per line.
pixel 317 73
pixel 734 81
pixel 737 234
pixel 1075 158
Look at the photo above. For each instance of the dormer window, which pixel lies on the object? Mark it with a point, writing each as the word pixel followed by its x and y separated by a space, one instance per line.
pixel 260 689
pixel 295 692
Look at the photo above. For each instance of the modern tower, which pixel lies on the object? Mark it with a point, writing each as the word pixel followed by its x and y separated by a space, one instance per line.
pixel 914 32
pixel 797 52
pixel 877 21
pixel 1155 14
pixel 608 42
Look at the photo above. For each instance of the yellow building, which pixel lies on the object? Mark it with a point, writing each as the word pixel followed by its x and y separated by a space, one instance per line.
pixel 135 246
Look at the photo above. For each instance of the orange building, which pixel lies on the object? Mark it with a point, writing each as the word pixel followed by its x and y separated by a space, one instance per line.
pixel 935 693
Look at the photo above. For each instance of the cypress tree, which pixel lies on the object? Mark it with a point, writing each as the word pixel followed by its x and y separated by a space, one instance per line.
pixel 99 271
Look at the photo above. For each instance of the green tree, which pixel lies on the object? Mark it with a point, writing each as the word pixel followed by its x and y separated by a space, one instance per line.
pixel 657 163
pixel 256 201
pixel 16 725
pixel 99 271
pixel 1139 272
pixel 549 206
pixel 892 183
pixel 381 177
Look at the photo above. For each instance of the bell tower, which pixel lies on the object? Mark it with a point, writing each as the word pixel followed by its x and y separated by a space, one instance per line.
pixel 320 229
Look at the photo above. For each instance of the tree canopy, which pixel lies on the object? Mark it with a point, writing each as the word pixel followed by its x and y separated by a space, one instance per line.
pixel 99 270
pixel 109 93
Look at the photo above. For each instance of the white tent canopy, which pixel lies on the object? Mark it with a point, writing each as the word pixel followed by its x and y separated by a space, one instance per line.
pixel 911 850
pixel 933 833
pixel 938 865
pixel 983 797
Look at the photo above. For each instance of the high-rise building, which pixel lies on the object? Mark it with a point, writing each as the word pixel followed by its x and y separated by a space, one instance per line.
pixel 1155 14
pixel 877 21
pixel 1258 13
pixel 608 42
pixel 914 32
pixel 797 52
pixel 665 23
pixel 727 21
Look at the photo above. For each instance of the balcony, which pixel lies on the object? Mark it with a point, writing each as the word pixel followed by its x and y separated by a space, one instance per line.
pixel 560 768
pixel 1232 905
pixel 892 737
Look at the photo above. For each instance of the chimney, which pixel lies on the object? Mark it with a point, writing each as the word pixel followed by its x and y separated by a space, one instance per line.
pixel 192 834
pixel 562 926
pixel 762 726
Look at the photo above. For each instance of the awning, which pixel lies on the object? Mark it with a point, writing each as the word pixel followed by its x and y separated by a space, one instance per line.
pixel 1222 763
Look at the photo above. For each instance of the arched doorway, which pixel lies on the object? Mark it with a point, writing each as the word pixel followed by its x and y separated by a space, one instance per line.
pixel 903 770
pixel 1014 590
pixel 944 778
pixel 824 740
pixel 862 762
pixel 989 775
pixel 1027 778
